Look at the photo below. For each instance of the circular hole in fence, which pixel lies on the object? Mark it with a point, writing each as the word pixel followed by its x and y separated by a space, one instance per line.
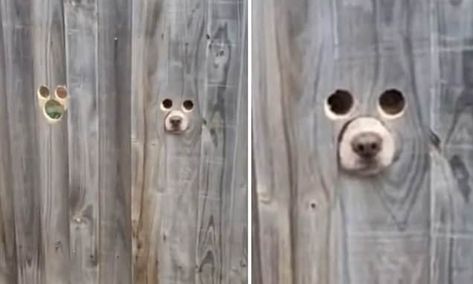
pixel 53 109
pixel 392 102
pixel 340 102
pixel 43 91
pixel 61 92
pixel 166 104
pixel 188 105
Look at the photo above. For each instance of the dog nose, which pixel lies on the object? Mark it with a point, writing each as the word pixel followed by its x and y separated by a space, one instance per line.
pixel 175 120
pixel 367 144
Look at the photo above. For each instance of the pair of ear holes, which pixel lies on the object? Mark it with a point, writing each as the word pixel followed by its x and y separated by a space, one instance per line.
pixel 187 105
pixel 391 103
pixel 53 108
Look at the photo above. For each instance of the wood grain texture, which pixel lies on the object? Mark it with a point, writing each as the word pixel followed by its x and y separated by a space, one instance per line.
pixel 452 119
pixel 18 18
pixel 8 264
pixel 50 70
pixel 105 195
pixel 189 190
pixel 316 224
pixel 81 46
pixel 114 156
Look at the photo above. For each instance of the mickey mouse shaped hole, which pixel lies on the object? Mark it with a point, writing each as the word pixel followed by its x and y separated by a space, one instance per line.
pixel 166 104
pixel 188 105
pixel 391 103
pixel 339 104
pixel 53 110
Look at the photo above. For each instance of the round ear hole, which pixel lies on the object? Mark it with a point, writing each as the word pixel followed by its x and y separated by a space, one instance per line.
pixel 166 104
pixel 392 102
pixel 188 105
pixel 43 91
pixel 53 109
pixel 340 102
pixel 61 92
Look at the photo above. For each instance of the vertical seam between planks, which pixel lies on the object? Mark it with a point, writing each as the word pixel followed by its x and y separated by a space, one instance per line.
pixel 97 101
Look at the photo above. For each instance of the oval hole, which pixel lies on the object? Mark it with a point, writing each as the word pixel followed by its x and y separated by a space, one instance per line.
pixel 43 91
pixel 61 92
pixel 188 105
pixel 340 102
pixel 54 110
pixel 392 102
pixel 166 104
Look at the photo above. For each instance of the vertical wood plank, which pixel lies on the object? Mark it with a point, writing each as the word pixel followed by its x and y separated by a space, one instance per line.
pixel 221 218
pixel 17 23
pixel 114 118
pixel 81 46
pixel 271 164
pixel 50 70
pixel 8 264
pixel 164 193
pixel 452 120
pixel 188 195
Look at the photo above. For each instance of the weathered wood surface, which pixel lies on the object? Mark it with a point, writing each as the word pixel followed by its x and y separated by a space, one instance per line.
pixel 317 225
pixel 105 195
pixel 189 191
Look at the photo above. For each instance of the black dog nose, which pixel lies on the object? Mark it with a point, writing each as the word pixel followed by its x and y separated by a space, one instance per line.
pixel 175 120
pixel 367 144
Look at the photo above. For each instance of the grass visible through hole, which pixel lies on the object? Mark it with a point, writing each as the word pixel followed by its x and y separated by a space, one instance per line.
pixel 54 109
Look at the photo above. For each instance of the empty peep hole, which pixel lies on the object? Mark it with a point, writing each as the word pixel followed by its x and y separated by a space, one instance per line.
pixel 392 102
pixel 166 104
pixel 187 105
pixel 54 110
pixel 43 91
pixel 61 92
pixel 340 102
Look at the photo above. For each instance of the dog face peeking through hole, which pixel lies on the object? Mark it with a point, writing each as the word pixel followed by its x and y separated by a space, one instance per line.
pixel 366 146
pixel 176 121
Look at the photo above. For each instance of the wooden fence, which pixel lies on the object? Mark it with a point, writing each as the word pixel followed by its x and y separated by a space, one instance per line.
pixel 105 195
pixel 314 224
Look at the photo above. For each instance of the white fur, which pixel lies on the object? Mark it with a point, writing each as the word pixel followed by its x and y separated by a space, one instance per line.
pixel 351 162
pixel 182 127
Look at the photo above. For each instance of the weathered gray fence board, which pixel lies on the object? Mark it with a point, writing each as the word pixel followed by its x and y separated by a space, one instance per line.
pixel 114 118
pixel 8 267
pixel 49 68
pixel 189 191
pixel 83 118
pixel 18 18
pixel 318 225
pixel 452 119
pixel 221 109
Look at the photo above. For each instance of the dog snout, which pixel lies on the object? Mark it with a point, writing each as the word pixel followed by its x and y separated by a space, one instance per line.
pixel 175 120
pixel 367 144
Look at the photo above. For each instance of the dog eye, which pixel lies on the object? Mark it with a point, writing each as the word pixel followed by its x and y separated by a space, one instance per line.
pixel 392 102
pixel 188 105
pixel 340 102
pixel 166 104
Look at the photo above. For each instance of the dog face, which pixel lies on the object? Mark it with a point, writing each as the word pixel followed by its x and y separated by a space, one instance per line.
pixel 176 121
pixel 366 146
